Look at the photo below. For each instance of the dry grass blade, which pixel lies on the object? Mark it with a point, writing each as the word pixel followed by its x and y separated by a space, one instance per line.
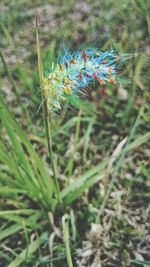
pixel 121 155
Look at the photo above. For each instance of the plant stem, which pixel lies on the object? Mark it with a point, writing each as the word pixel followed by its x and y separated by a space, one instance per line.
pixel 50 150
pixel 76 138
pixel 46 114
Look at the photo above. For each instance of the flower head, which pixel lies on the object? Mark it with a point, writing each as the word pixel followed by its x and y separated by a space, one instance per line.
pixel 76 72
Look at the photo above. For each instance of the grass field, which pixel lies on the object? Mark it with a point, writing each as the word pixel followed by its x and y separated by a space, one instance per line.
pixel 75 189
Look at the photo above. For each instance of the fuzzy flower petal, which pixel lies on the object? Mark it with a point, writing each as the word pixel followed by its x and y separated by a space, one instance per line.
pixel 76 72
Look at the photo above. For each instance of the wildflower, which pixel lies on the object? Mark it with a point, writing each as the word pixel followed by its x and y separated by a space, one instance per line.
pixel 76 72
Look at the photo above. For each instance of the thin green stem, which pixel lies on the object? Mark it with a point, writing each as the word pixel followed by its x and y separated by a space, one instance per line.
pixel 50 150
pixel 46 114
pixel 76 138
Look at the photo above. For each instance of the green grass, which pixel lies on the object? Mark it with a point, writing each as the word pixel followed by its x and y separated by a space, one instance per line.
pixel 101 153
